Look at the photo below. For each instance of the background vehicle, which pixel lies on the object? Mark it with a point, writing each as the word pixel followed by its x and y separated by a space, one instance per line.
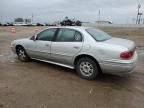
pixel 90 51
pixel 69 22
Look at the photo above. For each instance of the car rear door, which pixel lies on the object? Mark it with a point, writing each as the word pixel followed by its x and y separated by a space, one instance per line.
pixel 67 44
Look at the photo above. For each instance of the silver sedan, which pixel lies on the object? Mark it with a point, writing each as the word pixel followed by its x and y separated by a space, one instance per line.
pixel 88 50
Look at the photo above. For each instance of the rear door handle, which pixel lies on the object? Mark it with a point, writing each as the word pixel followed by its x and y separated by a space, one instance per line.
pixel 47 45
pixel 76 47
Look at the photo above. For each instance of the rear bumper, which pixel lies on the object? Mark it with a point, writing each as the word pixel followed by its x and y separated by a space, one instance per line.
pixel 119 67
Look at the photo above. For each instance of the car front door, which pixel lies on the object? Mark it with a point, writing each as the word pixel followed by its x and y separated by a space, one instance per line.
pixel 67 44
pixel 40 47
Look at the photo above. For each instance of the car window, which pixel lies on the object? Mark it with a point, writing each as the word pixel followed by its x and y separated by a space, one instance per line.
pixel 98 35
pixel 46 35
pixel 78 36
pixel 68 35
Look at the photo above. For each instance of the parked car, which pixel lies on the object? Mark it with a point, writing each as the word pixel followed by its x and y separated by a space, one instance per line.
pixel 88 50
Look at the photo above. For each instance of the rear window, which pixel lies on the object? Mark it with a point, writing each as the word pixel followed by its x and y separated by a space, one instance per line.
pixel 98 35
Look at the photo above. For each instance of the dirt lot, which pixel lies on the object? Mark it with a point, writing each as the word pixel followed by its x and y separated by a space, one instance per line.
pixel 42 85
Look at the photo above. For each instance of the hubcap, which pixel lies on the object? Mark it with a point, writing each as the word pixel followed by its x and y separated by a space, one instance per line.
pixel 21 54
pixel 86 68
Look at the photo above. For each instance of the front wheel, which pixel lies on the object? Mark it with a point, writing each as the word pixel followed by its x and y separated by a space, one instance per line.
pixel 22 56
pixel 87 68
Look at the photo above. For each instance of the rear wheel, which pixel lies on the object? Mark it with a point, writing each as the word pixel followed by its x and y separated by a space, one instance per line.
pixel 87 68
pixel 22 56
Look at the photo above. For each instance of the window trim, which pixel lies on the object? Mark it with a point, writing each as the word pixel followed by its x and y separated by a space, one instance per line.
pixel 68 41
pixel 45 30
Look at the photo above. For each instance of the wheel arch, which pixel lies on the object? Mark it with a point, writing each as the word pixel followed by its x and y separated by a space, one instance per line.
pixel 17 46
pixel 89 56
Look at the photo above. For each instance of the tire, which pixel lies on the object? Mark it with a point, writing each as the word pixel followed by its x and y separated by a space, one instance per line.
pixel 22 55
pixel 87 68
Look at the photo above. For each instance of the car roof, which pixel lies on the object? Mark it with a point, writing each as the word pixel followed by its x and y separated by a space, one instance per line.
pixel 71 27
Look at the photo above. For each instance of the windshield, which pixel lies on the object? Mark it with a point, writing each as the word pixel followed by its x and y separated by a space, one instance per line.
pixel 98 35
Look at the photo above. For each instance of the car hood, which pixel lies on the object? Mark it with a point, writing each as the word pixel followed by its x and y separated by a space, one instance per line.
pixel 23 39
pixel 19 40
pixel 121 42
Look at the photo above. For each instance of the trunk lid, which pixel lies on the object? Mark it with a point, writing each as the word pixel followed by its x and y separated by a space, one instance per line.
pixel 122 42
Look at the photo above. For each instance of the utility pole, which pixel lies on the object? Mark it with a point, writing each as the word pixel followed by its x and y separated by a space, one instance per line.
pixel 137 20
pixel 32 18
pixel 99 14
pixel 1 19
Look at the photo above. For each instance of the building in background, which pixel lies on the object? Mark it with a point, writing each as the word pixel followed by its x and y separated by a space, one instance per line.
pixel 21 21
pixel 103 22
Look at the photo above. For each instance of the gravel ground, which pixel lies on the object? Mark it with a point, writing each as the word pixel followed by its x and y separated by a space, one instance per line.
pixel 42 85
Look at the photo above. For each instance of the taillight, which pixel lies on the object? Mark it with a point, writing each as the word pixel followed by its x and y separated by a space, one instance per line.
pixel 126 55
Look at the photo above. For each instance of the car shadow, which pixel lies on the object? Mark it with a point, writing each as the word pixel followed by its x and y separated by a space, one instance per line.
pixel 55 67
pixel 115 81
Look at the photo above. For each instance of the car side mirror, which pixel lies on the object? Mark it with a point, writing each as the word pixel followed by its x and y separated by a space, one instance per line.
pixel 33 38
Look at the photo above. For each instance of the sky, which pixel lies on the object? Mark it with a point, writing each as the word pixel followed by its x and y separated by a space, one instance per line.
pixel 116 11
